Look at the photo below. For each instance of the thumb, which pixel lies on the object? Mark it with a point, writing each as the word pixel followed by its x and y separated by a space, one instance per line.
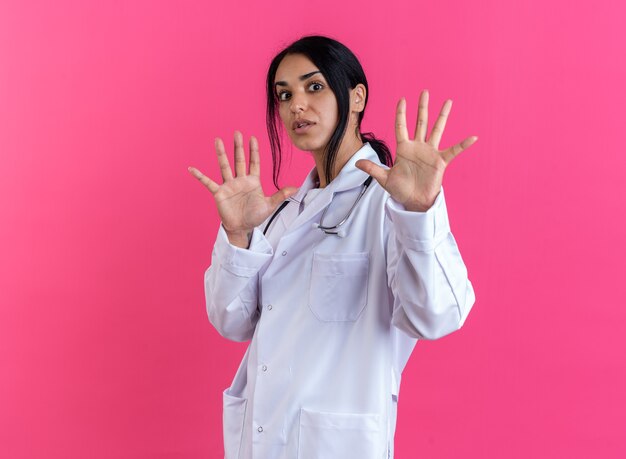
pixel 281 195
pixel 374 170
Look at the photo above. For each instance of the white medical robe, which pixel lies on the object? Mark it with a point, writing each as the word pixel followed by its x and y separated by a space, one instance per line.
pixel 332 320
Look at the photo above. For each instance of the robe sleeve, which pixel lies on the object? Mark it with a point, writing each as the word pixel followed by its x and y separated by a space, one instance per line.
pixel 231 285
pixel 432 294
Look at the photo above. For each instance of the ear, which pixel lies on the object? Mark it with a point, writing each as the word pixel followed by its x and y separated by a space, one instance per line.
pixel 357 98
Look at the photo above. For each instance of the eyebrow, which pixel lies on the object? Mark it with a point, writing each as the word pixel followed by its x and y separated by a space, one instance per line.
pixel 301 78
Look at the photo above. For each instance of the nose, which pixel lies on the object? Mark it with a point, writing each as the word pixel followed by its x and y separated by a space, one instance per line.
pixel 298 103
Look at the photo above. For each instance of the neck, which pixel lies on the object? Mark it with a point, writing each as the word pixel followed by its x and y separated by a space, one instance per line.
pixel 348 147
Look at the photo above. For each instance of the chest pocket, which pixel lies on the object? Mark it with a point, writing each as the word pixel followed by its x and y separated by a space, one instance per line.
pixel 338 291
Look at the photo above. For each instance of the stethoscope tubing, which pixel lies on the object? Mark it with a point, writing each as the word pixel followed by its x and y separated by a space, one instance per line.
pixel 326 229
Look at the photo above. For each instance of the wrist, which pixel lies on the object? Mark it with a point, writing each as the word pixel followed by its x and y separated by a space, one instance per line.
pixel 239 238
pixel 420 206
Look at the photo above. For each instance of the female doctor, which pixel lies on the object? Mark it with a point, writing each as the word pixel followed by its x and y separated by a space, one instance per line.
pixel 335 281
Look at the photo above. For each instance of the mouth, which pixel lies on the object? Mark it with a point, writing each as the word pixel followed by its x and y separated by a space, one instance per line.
pixel 300 126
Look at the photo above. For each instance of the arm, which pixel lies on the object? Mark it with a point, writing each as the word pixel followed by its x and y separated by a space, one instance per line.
pixel 428 279
pixel 426 274
pixel 231 282
pixel 231 285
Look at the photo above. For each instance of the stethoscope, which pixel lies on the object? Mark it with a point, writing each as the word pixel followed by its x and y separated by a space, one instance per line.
pixel 335 229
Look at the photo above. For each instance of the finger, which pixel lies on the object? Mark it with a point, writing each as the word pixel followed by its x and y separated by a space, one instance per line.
pixel 452 152
pixel 402 134
pixel 255 162
pixel 422 117
pixel 240 156
pixel 440 124
pixel 281 195
pixel 222 160
pixel 206 181
pixel 373 169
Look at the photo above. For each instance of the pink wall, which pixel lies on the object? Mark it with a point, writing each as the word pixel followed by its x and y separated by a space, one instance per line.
pixel 105 347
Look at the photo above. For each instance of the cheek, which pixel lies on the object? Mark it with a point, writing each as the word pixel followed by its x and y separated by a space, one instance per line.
pixel 331 118
pixel 284 116
pixel 281 113
pixel 330 111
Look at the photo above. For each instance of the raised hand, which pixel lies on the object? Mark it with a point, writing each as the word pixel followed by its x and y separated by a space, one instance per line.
pixel 241 202
pixel 416 176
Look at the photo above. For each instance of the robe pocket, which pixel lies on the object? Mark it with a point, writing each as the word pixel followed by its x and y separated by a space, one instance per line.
pixel 338 290
pixel 233 418
pixel 339 435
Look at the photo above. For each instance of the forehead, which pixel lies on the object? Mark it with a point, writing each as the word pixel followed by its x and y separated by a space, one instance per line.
pixel 293 66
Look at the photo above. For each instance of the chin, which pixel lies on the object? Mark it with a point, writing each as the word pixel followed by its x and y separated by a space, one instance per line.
pixel 305 146
pixel 308 145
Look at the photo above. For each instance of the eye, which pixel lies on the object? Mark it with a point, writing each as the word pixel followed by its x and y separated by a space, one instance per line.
pixel 283 95
pixel 317 84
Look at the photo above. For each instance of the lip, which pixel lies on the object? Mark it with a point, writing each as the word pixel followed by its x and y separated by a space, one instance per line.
pixel 304 128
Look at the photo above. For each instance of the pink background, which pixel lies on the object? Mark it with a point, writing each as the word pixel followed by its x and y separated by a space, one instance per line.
pixel 105 346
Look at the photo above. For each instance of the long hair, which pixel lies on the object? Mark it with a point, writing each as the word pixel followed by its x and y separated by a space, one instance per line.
pixel 343 72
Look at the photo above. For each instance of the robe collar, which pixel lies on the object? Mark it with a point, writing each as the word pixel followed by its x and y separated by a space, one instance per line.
pixel 349 177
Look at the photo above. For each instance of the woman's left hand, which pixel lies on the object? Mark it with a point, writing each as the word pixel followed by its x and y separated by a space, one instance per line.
pixel 416 176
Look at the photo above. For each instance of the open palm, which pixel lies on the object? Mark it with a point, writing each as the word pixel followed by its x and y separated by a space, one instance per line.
pixel 417 174
pixel 240 200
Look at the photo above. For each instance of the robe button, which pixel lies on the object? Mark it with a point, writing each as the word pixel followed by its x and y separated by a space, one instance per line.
pixel 264 367
pixel 260 429
pixel 269 306
pixel 284 253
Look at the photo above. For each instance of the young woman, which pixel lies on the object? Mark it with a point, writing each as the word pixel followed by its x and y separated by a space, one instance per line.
pixel 333 282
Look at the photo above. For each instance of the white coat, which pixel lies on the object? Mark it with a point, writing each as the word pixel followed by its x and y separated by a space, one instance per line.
pixel 332 319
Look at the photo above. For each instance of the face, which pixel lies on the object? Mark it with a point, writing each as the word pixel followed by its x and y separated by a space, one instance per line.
pixel 307 105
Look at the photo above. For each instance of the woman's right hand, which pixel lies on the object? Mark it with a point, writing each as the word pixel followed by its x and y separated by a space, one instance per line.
pixel 241 202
